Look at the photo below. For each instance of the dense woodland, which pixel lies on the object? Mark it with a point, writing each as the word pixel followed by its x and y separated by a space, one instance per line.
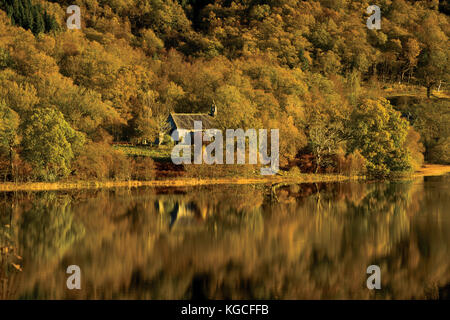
pixel 346 98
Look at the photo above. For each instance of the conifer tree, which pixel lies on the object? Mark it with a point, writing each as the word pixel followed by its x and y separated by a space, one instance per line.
pixel 30 17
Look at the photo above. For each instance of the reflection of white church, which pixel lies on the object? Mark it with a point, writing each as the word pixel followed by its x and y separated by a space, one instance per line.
pixel 182 213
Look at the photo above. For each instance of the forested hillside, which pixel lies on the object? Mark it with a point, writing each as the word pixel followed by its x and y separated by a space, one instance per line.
pixel 346 98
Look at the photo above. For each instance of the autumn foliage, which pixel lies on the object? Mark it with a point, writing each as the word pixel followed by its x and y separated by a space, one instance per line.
pixel 310 68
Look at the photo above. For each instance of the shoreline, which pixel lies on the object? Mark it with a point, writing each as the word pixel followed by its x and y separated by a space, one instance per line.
pixel 426 170
pixel 432 170
pixel 180 182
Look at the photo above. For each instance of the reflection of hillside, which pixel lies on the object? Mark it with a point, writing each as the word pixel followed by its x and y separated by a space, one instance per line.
pixel 316 242
pixel 47 230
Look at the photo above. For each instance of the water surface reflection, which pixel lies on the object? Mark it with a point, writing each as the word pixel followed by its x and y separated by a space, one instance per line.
pixel 308 241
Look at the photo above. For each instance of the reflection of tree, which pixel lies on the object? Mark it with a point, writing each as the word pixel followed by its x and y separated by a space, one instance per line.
pixel 234 243
pixel 10 260
pixel 380 219
pixel 47 230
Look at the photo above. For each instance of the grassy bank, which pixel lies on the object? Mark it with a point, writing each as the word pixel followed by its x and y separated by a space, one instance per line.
pixel 284 177
pixel 174 182
pixel 161 153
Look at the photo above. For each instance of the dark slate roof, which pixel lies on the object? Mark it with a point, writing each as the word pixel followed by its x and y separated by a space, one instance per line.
pixel 186 120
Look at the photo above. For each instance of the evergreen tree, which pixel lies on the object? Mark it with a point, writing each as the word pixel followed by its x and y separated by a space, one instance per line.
pixel 38 21
pixel 50 23
pixel 31 17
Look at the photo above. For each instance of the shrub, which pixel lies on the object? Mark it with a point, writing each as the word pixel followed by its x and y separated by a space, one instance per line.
pixel 168 141
pixel 99 161
pixel 415 148
pixel 295 171
pixel 121 167
pixel 22 170
pixel 440 153
pixel 142 168
pixel 353 164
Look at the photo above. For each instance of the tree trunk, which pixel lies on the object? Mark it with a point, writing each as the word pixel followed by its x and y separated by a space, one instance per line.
pixel 317 164
pixel 429 91
pixel 11 169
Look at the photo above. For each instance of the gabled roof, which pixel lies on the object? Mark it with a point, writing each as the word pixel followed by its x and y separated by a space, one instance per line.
pixel 186 120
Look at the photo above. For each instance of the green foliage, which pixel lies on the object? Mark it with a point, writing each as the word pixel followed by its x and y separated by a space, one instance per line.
pixel 432 120
pixel 157 153
pixel 5 59
pixel 379 133
pixel 50 144
pixel 29 16
pixel 9 123
pixel 433 60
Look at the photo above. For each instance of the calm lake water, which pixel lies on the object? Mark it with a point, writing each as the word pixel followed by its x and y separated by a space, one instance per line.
pixel 306 241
